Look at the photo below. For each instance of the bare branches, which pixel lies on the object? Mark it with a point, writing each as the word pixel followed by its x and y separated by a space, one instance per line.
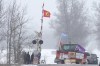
pixel 97 23
pixel 2 15
pixel 71 20
pixel 15 21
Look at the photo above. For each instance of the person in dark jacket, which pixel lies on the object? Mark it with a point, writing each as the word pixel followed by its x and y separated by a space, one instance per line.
pixel 28 58
pixel 32 58
pixel 24 56
pixel 39 57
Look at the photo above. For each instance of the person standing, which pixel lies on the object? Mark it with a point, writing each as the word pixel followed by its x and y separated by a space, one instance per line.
pixel 28 58
pixel 35 61
pixel 24 57
pixel 39 57
pixel 32 58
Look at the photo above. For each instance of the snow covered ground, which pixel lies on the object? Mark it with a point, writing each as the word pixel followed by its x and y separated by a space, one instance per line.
pixel 3 56
pixel 47 54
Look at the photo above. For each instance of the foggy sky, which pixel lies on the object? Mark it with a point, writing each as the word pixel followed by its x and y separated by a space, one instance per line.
pixel 34 11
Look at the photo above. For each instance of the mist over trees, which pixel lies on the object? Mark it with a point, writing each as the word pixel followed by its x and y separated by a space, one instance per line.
pixel 97 23
pixel 15 35
pixel 71 20
pixel 2 15
pixel 12 31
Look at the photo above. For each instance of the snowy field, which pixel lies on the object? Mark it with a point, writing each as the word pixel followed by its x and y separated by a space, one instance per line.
pixel 47 54
pixel 3 56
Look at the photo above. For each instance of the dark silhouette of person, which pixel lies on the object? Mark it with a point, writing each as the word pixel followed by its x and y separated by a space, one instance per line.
pixel 39 57
pixel 24 56
pixel 32 58
pixel 28 58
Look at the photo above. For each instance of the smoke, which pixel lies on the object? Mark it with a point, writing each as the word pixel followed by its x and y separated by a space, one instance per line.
pixel 71 20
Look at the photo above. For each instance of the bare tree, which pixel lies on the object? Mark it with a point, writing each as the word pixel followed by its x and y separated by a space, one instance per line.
pixel 15 34
pixel 2 17
pixel 71 19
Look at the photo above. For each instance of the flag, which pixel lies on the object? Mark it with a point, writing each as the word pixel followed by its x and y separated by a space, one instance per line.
pixel 64 35
pixel 46 13
pixel 63 38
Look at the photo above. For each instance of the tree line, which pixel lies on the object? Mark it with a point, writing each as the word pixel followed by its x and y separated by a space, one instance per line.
pixel 78 22
pixel 12 30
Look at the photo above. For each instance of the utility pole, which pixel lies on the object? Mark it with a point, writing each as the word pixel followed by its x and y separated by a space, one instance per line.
pixel 38 41
pixel 38 38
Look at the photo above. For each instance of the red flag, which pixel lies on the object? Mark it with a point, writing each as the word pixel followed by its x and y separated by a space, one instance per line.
pixel 46 13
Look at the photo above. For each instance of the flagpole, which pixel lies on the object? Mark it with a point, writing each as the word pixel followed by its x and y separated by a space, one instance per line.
pixel 42 21
pixel 41 30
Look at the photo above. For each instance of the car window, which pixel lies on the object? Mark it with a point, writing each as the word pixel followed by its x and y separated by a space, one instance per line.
pixel 93 55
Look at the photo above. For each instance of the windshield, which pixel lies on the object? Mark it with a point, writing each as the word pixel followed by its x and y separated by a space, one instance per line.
pixel 69 47
pixel 87 53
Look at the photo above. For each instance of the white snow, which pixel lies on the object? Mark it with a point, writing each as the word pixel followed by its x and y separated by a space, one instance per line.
pixel 47 54
pixel 3 56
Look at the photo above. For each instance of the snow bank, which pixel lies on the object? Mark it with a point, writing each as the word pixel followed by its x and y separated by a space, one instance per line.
pixel 47 54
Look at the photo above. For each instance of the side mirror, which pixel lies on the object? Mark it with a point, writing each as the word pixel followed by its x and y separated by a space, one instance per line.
pixel 97 57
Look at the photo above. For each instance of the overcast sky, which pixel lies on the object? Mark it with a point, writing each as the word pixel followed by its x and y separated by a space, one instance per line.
pixel 34 11
pixel 34 8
